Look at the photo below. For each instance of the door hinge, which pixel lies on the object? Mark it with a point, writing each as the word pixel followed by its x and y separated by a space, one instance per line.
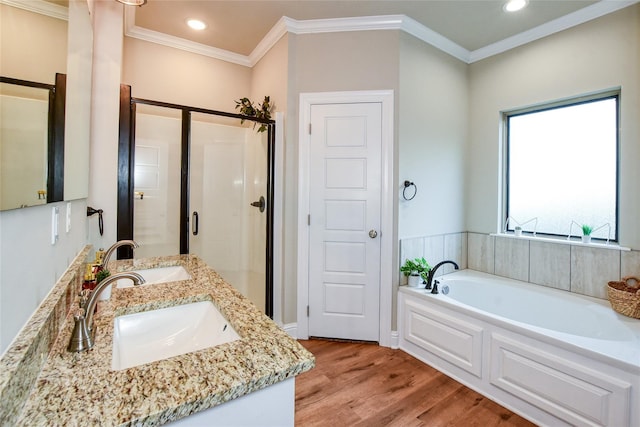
pixel 309 219
pixel 307 311
pixel 309 128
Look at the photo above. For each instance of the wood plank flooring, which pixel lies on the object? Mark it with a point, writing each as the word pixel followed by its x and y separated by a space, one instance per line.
pixel 367 385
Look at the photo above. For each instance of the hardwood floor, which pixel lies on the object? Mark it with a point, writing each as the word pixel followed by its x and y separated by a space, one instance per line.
pixel 367 385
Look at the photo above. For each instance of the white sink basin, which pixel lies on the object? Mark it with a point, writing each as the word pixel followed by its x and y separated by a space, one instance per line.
pixel 152 276
pixel 160 334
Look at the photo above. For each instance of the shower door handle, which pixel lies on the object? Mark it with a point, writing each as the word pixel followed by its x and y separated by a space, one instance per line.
pixel 260 204
pixel 194 223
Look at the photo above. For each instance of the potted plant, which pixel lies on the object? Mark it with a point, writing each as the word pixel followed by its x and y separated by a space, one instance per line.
pixel 415 270
pixel 262 111
pixel 586 233
pixel 517 231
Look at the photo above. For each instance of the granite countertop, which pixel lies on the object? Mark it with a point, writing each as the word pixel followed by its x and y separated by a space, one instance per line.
pixel 81 389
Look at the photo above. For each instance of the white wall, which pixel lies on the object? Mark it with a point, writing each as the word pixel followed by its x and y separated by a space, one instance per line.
pixel 591 57
pixel 29 264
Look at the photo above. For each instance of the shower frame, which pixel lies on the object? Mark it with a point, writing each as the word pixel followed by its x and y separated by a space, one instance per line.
pixel 126 164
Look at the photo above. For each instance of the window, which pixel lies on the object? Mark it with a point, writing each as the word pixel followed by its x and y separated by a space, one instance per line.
pixel 562 167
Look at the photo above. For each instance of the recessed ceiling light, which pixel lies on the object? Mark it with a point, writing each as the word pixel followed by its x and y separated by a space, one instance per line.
pixel 196 24
pixel 515 5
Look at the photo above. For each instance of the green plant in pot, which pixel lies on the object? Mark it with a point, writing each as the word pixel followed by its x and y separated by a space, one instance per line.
pixel 586 233
pixel 414 270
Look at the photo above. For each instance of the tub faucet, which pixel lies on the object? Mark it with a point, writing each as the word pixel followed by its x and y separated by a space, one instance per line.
pixel 116 245
pixel 83 332
pixel 432 273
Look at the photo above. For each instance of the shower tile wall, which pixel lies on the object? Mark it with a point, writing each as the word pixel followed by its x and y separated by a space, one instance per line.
pixel 579 269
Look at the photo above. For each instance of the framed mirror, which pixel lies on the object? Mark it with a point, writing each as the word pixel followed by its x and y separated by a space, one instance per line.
pixel 59 42
pixel 31 142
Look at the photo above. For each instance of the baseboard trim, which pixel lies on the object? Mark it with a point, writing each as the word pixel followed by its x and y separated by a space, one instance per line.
pixel 291 329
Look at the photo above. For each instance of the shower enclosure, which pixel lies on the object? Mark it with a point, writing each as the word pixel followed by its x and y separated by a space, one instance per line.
pixel 202 184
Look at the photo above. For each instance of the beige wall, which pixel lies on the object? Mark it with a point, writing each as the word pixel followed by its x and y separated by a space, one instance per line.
pixel 33 46
pixel 597 55
pixel 170 75
pixel 348 61
pixel 270 75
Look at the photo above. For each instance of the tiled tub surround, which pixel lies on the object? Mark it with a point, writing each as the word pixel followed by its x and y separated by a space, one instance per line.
pixel 436 248
pixel 81 389
pixel 575 267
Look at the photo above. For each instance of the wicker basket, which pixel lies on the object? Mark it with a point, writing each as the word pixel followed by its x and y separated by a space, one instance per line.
pixel 624 296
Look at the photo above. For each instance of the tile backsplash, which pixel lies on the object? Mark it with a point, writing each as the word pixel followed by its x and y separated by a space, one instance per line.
pixel 575 268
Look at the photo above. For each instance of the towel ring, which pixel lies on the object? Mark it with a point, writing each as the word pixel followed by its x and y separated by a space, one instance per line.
pixel 408 184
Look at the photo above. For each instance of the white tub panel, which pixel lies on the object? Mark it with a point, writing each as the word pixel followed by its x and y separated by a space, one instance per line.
pixel 571 392
pixel 450 338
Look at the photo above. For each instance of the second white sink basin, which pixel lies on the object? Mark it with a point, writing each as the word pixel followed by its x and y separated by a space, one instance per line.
pixel 159 334
pixel 152 276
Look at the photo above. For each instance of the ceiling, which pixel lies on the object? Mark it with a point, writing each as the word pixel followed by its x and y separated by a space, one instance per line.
pixel 238 26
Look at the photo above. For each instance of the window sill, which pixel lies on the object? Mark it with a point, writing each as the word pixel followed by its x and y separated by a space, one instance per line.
pixel 563 241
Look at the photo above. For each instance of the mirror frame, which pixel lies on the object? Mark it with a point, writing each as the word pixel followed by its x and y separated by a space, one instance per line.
pixel 56 126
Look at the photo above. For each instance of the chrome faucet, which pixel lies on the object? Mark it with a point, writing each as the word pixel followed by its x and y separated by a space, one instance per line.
pixel 116 245
pixel 432 273
pixel 83 332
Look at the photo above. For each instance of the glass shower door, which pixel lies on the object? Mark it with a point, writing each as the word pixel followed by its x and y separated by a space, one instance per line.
pixel 199 179
pixel 157 181
pixel 228 172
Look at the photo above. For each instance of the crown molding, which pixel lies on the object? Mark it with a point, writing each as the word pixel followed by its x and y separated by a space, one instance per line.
pixel 435 39
pixel 131 30
pixel 366 23
pixel 334 25
pixel 371 23
pixel 269 40
pixel 40 6
pixel 573 19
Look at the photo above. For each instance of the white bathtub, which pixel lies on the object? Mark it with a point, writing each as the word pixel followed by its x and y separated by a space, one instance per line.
pixel 555 357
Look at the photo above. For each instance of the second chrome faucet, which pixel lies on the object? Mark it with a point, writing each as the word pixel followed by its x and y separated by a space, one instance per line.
pixel 83 331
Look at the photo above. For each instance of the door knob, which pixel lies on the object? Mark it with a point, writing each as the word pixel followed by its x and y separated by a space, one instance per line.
pixel 373 234
pixel 260 204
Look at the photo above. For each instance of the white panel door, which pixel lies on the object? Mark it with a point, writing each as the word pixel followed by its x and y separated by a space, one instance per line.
pixel 344 207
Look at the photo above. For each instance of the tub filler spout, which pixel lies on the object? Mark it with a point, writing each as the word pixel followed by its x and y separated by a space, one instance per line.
pixel 432 273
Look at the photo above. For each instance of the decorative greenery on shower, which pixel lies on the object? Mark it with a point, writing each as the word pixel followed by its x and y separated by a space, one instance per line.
pixel 262 111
